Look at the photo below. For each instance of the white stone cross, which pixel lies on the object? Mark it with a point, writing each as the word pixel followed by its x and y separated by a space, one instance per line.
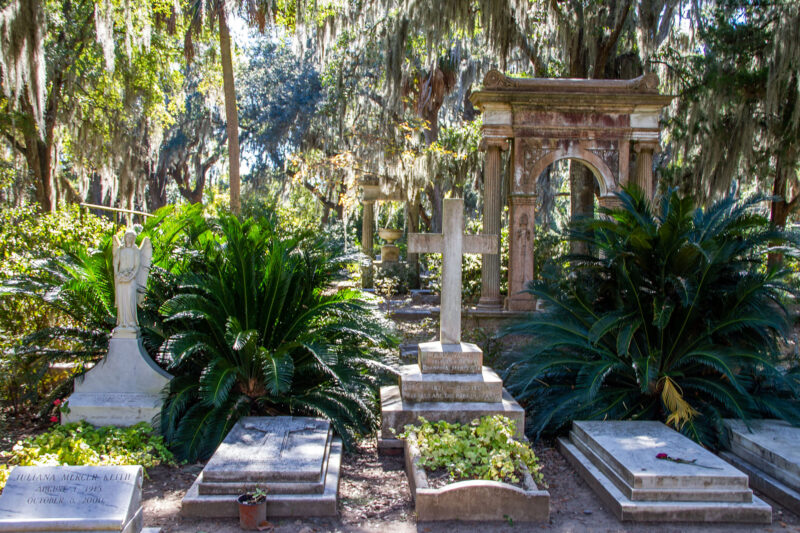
pixel 452 244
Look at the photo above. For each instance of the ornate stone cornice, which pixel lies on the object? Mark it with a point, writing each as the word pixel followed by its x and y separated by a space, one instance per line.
pixel 646 83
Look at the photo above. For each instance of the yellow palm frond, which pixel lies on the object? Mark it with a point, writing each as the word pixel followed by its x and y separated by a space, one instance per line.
pixel 680 411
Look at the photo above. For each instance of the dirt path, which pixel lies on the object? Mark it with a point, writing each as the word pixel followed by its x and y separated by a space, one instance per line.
pixel 374 497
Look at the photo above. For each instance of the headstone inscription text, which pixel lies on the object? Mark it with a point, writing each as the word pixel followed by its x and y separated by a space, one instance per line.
pixel 275 448
pixel 71 498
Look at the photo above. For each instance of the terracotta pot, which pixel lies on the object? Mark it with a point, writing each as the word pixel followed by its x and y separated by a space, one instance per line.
pixel 251 514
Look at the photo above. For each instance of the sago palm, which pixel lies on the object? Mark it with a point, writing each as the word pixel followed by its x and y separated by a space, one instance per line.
pixel 676 319
pixel 260 331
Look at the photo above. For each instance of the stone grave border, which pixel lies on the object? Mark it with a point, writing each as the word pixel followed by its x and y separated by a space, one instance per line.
pixel 473 499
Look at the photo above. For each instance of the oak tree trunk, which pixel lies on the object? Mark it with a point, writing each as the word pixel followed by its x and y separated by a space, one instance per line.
pixel 231 112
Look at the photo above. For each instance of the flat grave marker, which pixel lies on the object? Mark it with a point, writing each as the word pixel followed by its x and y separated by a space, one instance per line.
pixel 72 498
pixel 646 471
pixel 296 459
pixel 768 452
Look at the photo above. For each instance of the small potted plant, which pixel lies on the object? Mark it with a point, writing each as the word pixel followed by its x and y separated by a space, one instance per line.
pixel 252 509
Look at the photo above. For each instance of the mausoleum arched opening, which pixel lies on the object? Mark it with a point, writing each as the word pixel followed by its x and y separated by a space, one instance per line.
pixel 553 205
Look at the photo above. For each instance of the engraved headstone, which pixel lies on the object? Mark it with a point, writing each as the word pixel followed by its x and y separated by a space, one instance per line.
pixel 647 471
pixel 72 498
pixel 296 459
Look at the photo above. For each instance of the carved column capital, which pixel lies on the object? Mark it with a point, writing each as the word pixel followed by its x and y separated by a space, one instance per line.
pixel 494 142
pixel 651 146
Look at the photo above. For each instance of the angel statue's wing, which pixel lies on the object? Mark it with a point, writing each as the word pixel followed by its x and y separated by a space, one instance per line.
pixel 145 260
pixel 115 246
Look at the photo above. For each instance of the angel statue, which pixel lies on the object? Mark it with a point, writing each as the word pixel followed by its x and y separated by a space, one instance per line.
pixel 131 267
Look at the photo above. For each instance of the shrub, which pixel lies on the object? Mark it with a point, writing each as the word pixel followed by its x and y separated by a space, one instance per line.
pixel 81 444
pixel 76 284
pixel 482 449
pixel 261 331
pixel 677 319
pixel 27 236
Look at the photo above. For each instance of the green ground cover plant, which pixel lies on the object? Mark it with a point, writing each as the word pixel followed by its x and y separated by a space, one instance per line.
pixel 675 318
pixel 483 449
pixel 81 444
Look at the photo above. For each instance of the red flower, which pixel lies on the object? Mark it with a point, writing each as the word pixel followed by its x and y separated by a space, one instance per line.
pixel 53 418
pixel 662 456
pixel 56 402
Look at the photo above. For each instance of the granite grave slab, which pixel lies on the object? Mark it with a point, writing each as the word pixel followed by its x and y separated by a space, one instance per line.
pixel 296 459
pixel 620 461
pixel 72 498
pixel 769 452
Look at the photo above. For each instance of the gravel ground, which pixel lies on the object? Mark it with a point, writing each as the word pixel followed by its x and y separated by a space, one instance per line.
pixel 374 496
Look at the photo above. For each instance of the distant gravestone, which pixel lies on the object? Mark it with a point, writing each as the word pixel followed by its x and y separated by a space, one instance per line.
pixel 72 498
pixel 296 459
pixel 646 471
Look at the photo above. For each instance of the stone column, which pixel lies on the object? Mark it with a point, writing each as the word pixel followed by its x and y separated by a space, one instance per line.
pixel 412 226
pixel 492 221
pixel 644 166
pixel 367 228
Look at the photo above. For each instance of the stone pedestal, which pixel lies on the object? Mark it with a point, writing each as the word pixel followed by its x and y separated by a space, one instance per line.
pixel 390 253
pixel 449 383
pixel 620 461
pixel 295 459
pixel 123 389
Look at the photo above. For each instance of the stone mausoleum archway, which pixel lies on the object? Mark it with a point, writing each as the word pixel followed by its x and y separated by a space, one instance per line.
pixel 544 120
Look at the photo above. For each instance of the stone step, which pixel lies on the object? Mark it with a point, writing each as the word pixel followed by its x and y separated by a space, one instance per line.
pixel 413 314
pixel 710 494
pixel 758 461
pixel 418 387
pixel 765 483
pixel 771 446
pixel 438 358
pixel 396 412
pixel 630 449
pixel 625 509
pixel 278 505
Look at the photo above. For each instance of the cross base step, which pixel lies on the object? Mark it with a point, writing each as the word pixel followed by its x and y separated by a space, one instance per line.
pixel 397 412
pixel 418 387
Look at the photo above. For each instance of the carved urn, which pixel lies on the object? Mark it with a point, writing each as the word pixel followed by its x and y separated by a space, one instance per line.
pixel 390 253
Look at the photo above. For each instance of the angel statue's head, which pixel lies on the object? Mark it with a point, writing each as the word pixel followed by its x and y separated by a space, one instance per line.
pixel 130 238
